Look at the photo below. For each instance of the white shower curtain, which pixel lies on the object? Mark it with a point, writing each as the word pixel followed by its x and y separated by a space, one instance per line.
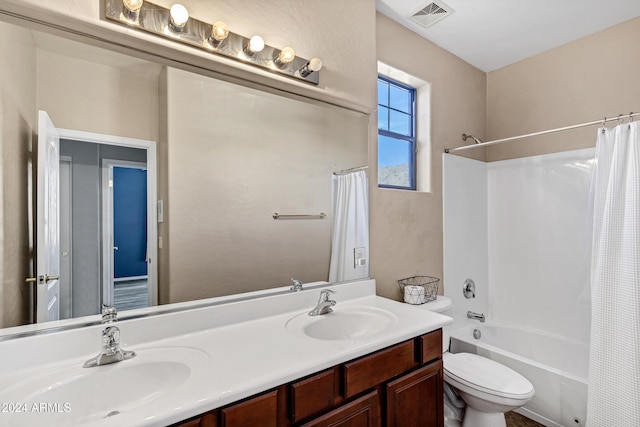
pixel 614 367
pixel 350 229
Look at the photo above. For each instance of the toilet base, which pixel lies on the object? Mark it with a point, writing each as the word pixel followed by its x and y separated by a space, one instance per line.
pixel 475 418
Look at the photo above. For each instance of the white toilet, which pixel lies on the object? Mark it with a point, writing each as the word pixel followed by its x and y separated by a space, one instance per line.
pixel 488 388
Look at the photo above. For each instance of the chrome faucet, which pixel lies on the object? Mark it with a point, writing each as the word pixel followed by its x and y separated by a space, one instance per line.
pixel 296 285
pixel 477 316
pixel 324 303
pixel 111 351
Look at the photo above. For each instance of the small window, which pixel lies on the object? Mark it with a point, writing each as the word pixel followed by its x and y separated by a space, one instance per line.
pixel 396 135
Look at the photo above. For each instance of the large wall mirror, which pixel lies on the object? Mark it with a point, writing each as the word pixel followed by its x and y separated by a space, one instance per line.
pixel 229 156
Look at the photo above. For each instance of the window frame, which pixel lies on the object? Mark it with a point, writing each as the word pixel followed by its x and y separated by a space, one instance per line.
pixel 410 139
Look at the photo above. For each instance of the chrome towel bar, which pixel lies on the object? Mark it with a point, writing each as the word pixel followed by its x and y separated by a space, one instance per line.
pixel 276 215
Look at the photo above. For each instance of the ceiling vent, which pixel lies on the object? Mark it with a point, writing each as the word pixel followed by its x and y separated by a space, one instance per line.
pixel 429 14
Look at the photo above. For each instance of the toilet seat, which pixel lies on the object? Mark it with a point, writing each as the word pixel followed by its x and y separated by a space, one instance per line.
pixel 486 376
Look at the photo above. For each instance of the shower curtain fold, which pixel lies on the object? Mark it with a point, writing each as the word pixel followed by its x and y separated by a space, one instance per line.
pixel 614 368
pixel 350 228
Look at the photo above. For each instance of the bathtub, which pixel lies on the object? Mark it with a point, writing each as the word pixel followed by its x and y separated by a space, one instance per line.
pixel 556 367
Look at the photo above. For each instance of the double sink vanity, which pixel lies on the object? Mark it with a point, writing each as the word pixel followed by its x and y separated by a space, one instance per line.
pixel 238 362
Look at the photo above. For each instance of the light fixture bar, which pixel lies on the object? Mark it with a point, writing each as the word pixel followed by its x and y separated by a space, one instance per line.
pixel 157 20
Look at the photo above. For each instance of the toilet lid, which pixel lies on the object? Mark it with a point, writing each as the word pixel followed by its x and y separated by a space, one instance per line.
pixel 487 375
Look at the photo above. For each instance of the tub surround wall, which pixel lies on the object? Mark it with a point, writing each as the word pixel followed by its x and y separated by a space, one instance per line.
pixel 466 254
pixel 17 124
pixel 578 82
pixel 406 226
pixel 540 232
pixel 533 228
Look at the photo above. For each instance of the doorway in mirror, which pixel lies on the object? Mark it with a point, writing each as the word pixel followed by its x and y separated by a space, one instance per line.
pixel 108 234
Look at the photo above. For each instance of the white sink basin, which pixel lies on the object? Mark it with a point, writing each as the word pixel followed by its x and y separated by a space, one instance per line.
pixel 77 395
pixel 344 323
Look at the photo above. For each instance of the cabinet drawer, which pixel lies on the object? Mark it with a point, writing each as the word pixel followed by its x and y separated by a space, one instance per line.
pixel 362 412
pixel 259 411
pixel 431 346
pixel 372 370
pixel 314 395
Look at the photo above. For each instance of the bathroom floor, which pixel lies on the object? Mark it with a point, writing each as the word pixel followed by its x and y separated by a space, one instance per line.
pixel 130 294
pixel 517 420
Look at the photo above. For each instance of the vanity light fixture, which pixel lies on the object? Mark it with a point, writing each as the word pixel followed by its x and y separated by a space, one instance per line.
pixel 214 37
pixel 313 65
pixel 178 17
pixel 131 9
pixel 285 56
pixel 219 33
pixel 255 45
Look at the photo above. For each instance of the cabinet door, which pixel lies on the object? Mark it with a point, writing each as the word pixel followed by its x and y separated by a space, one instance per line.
pixel 415 400
pixel 259 411
pixel 362 412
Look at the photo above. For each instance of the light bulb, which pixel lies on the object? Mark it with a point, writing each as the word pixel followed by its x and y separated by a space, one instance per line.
pixel 179 16
pixel 256 44
pixel 285 56
pixel 314 64
pixel 132 5
pixel 219 31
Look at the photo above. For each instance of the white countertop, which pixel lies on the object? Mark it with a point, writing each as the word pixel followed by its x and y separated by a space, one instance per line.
pixel 243 345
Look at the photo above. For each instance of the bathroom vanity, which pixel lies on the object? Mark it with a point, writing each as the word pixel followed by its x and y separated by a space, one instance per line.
pixel 238 362
pixel 398 386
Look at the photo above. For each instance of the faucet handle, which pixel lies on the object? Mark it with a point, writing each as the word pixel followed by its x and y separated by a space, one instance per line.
pixel 296 285
pixel 324 294
pixel 109 314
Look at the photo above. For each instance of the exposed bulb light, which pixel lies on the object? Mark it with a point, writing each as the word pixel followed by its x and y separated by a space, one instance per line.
pixel 131 8
pixel 219 32
pixel 256 44
pixel 285 56
pixel 313 65
pixel 179 15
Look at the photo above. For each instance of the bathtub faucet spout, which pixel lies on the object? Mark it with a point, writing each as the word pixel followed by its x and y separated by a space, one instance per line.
pixel 477 316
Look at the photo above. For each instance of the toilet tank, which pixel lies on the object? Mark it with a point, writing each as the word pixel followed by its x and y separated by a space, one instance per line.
pixel 442 305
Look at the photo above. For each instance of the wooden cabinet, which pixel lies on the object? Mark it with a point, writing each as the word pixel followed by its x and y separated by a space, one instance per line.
pixel 369 371
pixel 415 399
pixel 315 394
pixel 399 386
pixel 259 411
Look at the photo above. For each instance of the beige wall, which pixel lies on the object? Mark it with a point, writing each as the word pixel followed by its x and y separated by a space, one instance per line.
pixel 17 127
pixel 406 227
pixel 235 156
pixel 579 82
pixel 93 97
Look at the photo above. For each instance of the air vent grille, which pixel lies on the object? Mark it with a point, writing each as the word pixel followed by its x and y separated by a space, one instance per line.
pixel 429 14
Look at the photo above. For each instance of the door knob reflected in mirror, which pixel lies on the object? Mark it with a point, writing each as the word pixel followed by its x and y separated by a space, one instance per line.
pixel 42 279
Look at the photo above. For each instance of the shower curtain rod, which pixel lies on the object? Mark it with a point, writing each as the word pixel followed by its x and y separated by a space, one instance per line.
pixel 544 132
pixel 346 171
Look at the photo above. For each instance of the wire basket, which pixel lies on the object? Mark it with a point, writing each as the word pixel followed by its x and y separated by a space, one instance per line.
pixel 419 289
